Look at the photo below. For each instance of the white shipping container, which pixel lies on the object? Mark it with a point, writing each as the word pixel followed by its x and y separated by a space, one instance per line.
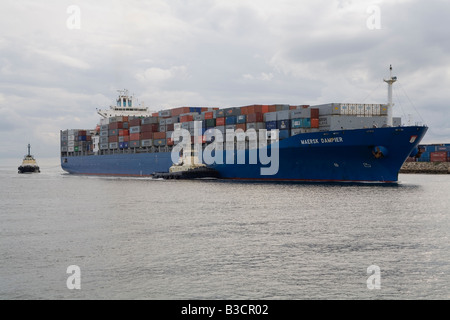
pixel 135 129
pixel 283 115
pixel 199 117
pixel 147 143
pixel 72 132
pixel 270 116
pixel 256 125
pixel 165 114
pixel 70 149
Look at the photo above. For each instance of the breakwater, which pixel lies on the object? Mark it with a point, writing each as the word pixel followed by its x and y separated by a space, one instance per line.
pixel 426 167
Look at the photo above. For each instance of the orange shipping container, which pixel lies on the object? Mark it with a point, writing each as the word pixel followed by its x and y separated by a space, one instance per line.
pixel 187 118
pixel 135 136
pixel 244 110
pixel 159 135
pixel 314 123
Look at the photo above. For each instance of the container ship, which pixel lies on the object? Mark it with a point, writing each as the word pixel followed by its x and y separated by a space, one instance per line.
pixel 333 142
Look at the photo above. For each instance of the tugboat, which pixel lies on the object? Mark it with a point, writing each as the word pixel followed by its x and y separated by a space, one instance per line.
pixel 29 164
pixel 188 170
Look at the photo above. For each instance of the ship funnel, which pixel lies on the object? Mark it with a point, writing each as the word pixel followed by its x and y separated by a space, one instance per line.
pixel 390 105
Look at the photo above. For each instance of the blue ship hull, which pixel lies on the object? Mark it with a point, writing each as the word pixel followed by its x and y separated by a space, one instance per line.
pixel 346 155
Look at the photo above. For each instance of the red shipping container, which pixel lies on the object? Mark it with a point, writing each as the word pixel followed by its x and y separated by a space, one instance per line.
pixel 135 122
pixel 314 123
pixel 146 135
pixel 258 108
pixel 113 139
pixel 220 121
pixel 81 133
pixel 126 138
pixel 177 111
pixel 292 107
pixel 244 110
pixel 438 156
pixel 169 141
pixel 159 135
pixel 255 117
pixel 149 127
pixel 124 132
pixel 170 127
pixel 314 113
pixel 125 118
pixel 88 138
pixel 241 126
pixel 115 125
pixel 187 118
pixel 135 136
pixel 209 115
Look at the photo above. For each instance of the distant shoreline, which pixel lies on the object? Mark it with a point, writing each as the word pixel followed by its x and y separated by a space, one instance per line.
pixel 426 167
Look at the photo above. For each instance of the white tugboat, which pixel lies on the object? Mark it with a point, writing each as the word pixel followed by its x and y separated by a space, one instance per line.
pixel 29 164
pixel 188 168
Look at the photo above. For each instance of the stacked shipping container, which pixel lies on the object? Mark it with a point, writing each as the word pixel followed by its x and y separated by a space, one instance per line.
pixel 118 133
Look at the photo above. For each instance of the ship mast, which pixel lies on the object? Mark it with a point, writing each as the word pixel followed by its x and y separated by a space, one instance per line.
pixel 390 105
pixel 29 147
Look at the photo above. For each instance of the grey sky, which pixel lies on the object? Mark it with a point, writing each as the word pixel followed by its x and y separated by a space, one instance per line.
pixel 215 53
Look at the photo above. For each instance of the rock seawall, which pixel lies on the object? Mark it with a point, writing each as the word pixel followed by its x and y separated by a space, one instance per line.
pixel 426 167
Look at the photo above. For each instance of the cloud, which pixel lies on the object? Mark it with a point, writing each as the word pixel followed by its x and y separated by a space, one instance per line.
pixel 216 53
pixel 66 60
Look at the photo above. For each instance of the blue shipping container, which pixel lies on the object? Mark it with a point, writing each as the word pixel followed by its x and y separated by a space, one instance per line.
pixel 242 118
pixel 195 109
pixel 270 125
pixel 230 120
pixel 82 138
pixel 159 142
pixel 284 134
pixel 284 124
